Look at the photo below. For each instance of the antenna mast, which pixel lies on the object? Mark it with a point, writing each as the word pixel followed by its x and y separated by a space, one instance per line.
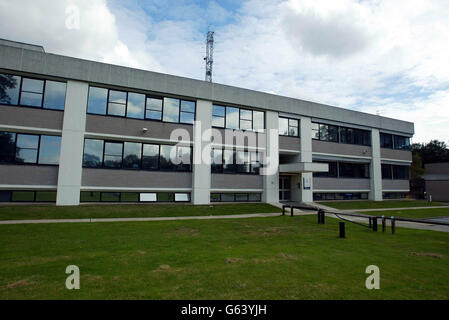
pixel 209 55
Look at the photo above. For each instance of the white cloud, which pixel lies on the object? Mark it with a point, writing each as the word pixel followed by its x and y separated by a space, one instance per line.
pixel 365 55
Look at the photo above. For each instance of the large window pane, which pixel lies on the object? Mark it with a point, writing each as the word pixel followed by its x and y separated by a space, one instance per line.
pixel 136 105
pixel 183 158
pixel 165 197
pixel 241 197
pixel 90 196
pixel 148 197
pixel 117 103
pixel 97 100
pixel 401 172
pixel 171 110
pixel 110 196
pixel 154 109
pixel 218 116
pixel 93 153
pixel 167 154
pixel 113 154
pixel 7 146
pixel 227 197
pixel 31 94
pixel 386 171
pixel 49 149
pixel 232 118
pixel 9 89
pixel 46 196
pixel 258 121
pixel 353 170
pixel 132 155
pixel 54 97
pixel 150 158
pixel 182 197
pixel 188 118
pixel 22 196
pixel 187 106
pixel 315 131
pixel 246 119
pixel 242 161
pixel 228 161
pixel 386 140
pixel 217 160
pixel 401 143
pixel 129 197
pixel 5 196
pixel 283 126
pixel 26 148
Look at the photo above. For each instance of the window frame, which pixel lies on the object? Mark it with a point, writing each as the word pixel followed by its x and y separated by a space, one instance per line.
pixel 224 117
pixel 251 165
pixel 289 126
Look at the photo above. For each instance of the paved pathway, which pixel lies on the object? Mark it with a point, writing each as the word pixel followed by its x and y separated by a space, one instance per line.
pixel 231 216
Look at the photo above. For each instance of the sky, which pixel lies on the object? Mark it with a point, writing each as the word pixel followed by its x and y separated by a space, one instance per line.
pixel 379 56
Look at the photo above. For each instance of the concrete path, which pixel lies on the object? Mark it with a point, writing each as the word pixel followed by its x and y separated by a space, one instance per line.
pixel 231 216
pixel 390 209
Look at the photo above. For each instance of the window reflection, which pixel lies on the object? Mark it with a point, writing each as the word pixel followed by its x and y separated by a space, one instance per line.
pixel 131 155
pixel 54 95
pixel 31 94
pixel 97 100
pixel 26 148
pixel 50 147
pixel 232 118
pixel 7 146
pixel 113 154
pixel 93 153
pixel 150 158
pixel 171 110
pixel 9 89
pixel 136 105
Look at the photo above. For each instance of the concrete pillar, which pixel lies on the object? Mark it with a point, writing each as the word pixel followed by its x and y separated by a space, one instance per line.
pixel 72 143
pixel 201 175
pixel 306 156
pixel 271 159
pixel 375 167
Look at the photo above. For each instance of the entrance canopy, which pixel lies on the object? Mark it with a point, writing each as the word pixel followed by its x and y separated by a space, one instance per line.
pixel 303 167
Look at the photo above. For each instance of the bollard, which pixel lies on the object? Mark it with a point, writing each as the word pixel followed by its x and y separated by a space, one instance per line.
pixel 370 223
pixel 375 224
pixel 291 211
pixel 384 227
pixel 318 214
pixel 393 225
pixel 283 210
pixel 342 230
pixel 322 216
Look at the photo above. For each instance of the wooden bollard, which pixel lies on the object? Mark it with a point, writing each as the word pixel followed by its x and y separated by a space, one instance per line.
pixel 393 225
pixel 370 223
pixel 291 211
pixel 342 230
pixel 384 227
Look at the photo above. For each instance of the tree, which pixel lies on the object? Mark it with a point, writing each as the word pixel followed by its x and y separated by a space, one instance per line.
pixel 416 169
pixel 434 151
pixel 6 82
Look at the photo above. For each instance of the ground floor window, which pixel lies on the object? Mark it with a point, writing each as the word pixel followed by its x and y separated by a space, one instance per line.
pixel 235 197
pixel 394 195
pixel 320 196
pixel 27 196
pixel 97 196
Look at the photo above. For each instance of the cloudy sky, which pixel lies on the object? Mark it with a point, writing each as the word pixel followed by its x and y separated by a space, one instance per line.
pixel 379 56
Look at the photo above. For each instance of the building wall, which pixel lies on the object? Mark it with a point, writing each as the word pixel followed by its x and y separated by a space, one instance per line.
pixel 289 143
pixel 236 181
pixel 343 184
pixel 31 117
pixel 395 185
pixel 439 190
pixel 340 149
pixel 28 175
pixel 396 154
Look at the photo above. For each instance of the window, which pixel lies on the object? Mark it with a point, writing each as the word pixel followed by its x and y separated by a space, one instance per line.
pixel 113 154
pixel 165 197
pixel 340 196
pixel 154 109
pixel 93 153
pixel 240 197
pixel 353 170
pixel 182 197
pixel 218 116
pixel 150 157
pixel 110 196
pixel 148 197
pixel 49 149
pixel 258 121
pixel 386 140
pixel 227 197
pixel 9 89
pixel 328 133
pixel 27 146
pixel 315 131
pixel 7 146
pixel 400 172
pixel 187 114
pixel 401 143
pixel 232 118
pixel 90 196
pixel 97 100
pixel 387 171
pixel 332 172
pixel 183 155
pixel 171 110
pixel 235 197
pixel 54 97
pixel 22 196
pixel 135 107
pixel 228 161
pixel 255 160
pixel 31 92
pixel 242 162
pixel 217 160
pixel 129 197
pixel 288 127
pixel 355 136
pixel 246 119
pixel 45 196
pixel 132 155
pixel 117 103
pixel 175 158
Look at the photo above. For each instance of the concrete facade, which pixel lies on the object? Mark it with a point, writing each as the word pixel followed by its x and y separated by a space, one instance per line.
pixel 74 125
pixel 437 180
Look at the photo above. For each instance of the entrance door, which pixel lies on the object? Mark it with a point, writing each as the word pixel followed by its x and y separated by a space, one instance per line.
pixel 284 188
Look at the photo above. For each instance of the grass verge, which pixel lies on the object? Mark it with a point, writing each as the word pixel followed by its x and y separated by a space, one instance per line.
pixel 414 213
pixel 259 258
pixel 20 212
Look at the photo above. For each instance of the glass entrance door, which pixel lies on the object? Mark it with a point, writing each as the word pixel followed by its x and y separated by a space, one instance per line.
pixel 284 188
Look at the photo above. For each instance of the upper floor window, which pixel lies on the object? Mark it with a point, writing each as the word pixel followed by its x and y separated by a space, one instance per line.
pixel 288 127
pixel 355 136
pixel 391 141
pixel 237 118
pixel 235 161
pixel 37 93
pixel 29 148
pixel 140 106
pixel 324 132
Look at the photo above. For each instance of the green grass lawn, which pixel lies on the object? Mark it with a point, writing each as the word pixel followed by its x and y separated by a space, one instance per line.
pixel 261 258
pixel 352 205
pixel 414 213
pixel 21 212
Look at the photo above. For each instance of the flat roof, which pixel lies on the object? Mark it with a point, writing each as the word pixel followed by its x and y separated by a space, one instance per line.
pixel 24 59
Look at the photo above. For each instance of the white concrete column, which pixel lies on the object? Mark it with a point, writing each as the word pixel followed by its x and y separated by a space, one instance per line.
pixel 201 175
pixel 306 156
pixel 375 167
pixel 271 159
pixel 72 143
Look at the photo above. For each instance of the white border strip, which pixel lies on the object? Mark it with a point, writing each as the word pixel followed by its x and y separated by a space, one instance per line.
pixel 237 147
pixel 288 151
pixel 322 190
pixel 100 188
pixel 29 129
pixel 396 190
pixel 395 160
pixel 236 190
pixel 133 138
pixel 340 155
pixel 26 186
